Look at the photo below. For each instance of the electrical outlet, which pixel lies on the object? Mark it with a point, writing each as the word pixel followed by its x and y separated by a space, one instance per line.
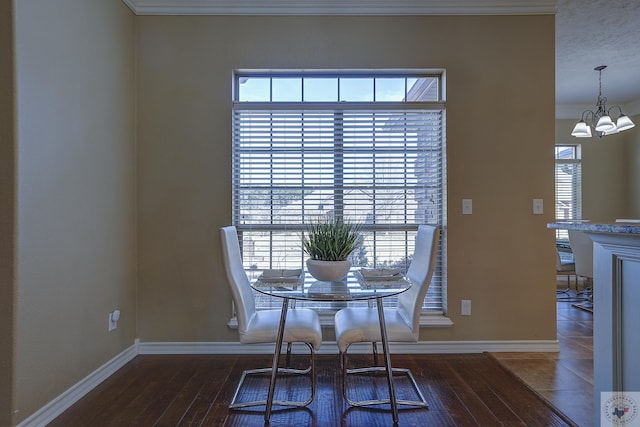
pixel 465 307
pixel 467 206
pixel 538 207
pixel 114 316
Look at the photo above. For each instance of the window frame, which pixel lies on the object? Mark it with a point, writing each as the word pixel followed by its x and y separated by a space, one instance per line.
pixel 431 318
pixel 573 181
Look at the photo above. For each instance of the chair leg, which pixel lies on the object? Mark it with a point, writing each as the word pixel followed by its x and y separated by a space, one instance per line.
pixel 309 370
pixel 565 294
pixel 287 361
pixel 587 296
pixel 375 353
pixel 422 402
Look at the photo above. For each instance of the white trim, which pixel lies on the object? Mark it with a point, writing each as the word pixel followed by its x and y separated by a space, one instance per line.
pixel 426 320
pixel 326 320
pixel 574 111
pixel 342 7
pixel 435 321
pixel 632 108
pixel 324 106
pixel 51 410
pixel 423 347
pixel 571 111
pixel 131 5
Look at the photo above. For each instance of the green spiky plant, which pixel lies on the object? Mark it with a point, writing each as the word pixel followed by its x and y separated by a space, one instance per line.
pixel 331 239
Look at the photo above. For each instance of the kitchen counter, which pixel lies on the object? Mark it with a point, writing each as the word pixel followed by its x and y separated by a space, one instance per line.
pixel 592 227
pixel 616 298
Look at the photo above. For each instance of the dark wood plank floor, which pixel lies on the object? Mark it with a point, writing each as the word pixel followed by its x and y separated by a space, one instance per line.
pixel 195 390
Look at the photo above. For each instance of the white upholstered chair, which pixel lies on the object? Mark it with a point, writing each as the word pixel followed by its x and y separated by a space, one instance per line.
pixel 568 267
pixel 565 266
pixel 361 324
pixel 582 248
pixel 261 326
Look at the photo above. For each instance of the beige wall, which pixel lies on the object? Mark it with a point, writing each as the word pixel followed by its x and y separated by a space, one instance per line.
pixel 610 174
pixel 79 175
pixel 7 222
pixel 80 172
pixel 76 249
pixel 500 137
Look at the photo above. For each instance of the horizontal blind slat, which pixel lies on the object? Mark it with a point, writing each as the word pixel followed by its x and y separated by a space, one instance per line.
pixel 390 175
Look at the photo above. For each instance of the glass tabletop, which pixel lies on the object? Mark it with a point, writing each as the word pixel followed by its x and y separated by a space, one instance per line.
pixel 352 288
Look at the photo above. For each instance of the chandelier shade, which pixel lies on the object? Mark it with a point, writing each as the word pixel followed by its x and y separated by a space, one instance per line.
pixel 605 124
pixel 600 119
pixel 582 130
pixel 624 123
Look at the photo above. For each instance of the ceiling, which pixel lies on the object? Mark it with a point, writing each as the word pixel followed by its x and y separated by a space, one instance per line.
pixel 589 33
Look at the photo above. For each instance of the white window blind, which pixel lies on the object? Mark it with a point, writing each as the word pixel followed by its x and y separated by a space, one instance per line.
pixel 568 177
pixel 379 164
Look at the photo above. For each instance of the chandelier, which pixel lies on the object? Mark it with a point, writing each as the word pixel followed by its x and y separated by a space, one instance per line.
pixel 600 120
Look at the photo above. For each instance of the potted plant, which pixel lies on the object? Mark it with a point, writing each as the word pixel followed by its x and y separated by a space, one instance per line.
pixel 329 242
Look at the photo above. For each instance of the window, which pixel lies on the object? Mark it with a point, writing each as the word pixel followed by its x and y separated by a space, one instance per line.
pixel 568 186
pixel 367 148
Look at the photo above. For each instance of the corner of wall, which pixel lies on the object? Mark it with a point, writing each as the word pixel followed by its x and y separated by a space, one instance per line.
pixel 7 209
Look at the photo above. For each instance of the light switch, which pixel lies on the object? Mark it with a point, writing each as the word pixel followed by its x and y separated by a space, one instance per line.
pixel 538 207
pixel 467 206
pixel 465 307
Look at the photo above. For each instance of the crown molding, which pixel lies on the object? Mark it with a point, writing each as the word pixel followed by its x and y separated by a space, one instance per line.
pixel 574 111
pixel 632 108
pixel 342 7
pixel 571 111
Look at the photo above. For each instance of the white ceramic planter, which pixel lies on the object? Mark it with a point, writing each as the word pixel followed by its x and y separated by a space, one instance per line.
pixel 328 271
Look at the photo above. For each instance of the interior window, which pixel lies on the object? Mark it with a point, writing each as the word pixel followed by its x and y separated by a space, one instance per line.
pixel 568 186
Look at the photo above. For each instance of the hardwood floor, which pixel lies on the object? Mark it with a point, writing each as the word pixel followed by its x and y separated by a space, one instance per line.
pixel 190 390
pixel 462 390
pixel 565 379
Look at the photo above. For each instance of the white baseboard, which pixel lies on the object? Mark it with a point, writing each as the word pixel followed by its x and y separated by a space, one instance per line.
pixel 424 347
pixel 51 410
pixel 54 408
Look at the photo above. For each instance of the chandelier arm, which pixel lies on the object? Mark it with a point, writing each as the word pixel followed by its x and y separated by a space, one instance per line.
pixel 615 106
pixel 589 117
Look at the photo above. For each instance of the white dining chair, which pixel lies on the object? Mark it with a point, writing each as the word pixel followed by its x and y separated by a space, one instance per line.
pixel 261 326
pixel 361 324
pixel 582 248
pixel 568 267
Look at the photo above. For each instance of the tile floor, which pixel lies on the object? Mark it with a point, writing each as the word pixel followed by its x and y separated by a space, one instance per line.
pixel 566 378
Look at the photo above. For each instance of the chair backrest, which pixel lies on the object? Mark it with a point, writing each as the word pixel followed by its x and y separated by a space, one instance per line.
pixel 582 248
pixel 564 265
pixel 237 278
pixel 420 273
pixel 558 261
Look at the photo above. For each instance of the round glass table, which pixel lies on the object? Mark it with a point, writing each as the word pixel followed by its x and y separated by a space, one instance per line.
pixel 298 285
